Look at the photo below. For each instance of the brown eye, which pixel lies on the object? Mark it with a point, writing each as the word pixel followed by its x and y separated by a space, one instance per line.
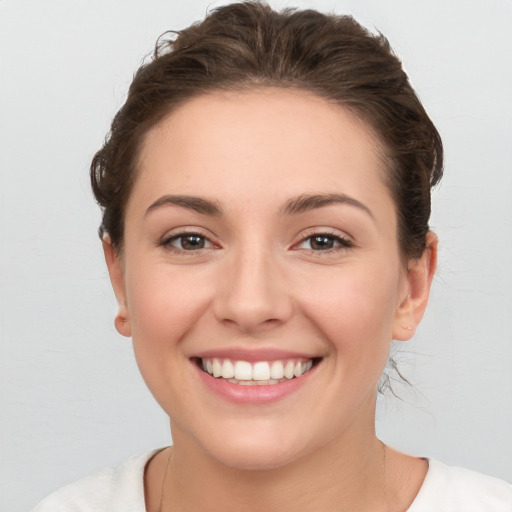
pixel 321 242
pixel 325 242
pixel 192 242
pixel 188 242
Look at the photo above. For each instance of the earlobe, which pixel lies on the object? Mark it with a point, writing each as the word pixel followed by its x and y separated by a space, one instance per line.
pixel 420 273
pixel 115 270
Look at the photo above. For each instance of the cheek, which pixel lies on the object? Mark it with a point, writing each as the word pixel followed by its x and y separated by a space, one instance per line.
pixel 164 300
pixel 164 307
pixel 354 310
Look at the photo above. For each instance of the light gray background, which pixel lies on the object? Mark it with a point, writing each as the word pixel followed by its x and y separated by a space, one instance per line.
pixel 72 400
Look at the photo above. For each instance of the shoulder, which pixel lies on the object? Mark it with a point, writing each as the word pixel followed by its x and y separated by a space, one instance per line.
pixel 452 489
pixel 110 490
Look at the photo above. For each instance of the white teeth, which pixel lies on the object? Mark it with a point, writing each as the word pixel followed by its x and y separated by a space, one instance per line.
pixel 261 371
pixel 288 370
pixel 243 370
pixel 277 370
pixel 216 368
pixel 228 370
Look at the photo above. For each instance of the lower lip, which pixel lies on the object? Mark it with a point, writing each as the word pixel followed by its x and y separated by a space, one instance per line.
pixel 254 394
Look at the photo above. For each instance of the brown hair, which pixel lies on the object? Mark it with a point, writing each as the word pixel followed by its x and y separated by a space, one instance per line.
pixel 248 45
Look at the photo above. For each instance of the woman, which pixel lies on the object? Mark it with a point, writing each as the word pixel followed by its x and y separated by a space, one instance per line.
pixel 266 196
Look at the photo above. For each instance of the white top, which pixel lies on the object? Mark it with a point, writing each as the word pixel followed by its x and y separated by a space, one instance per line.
pixel 445 489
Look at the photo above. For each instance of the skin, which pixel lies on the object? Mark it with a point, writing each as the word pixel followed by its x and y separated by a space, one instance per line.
pixel 259 283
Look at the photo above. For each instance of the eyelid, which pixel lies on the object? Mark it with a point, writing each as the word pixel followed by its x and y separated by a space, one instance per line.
pixel 181 232
pixel 187 235
pixel 346 241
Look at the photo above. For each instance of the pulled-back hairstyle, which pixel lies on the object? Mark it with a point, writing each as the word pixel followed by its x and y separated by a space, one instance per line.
pixel 248 45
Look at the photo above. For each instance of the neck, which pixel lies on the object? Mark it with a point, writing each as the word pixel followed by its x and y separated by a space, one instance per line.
pixel 348 474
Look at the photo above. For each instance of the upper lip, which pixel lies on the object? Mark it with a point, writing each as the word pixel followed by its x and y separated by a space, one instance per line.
pixel 253 355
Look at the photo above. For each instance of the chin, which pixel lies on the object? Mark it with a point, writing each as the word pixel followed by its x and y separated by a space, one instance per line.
pixel 255 450
pixel 254 459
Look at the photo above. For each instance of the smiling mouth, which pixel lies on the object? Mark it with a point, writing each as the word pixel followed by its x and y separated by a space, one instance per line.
pixel 261 373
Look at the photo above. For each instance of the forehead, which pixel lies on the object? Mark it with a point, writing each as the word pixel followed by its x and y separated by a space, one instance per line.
pixel 271 143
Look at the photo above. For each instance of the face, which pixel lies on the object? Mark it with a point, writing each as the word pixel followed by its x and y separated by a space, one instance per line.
pixel 261 278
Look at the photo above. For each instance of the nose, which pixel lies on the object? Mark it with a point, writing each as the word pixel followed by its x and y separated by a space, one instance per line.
pixel 253 295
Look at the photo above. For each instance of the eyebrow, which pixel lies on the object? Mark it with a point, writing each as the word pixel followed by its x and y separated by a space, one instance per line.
pixel 300 204
pixel 197 204
pixel 306 202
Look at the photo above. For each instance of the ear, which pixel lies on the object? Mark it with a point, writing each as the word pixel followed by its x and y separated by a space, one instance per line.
pixel 116 272
pixel 420 273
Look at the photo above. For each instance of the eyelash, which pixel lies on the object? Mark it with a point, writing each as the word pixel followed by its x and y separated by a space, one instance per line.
pixel 166 243
pixel 343 243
